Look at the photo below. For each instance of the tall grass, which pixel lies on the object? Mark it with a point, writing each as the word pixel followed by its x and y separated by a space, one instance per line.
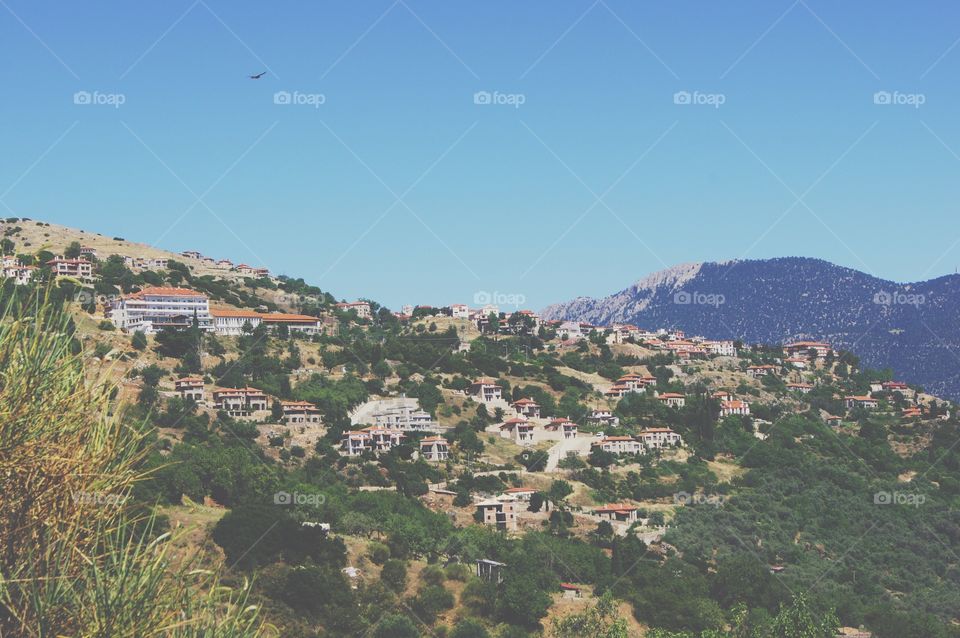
pixel 75 559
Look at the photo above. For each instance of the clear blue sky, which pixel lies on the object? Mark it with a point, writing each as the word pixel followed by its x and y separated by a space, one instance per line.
pixel 493 197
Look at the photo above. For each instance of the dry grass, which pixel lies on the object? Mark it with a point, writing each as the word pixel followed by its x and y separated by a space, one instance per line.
pixel 76 556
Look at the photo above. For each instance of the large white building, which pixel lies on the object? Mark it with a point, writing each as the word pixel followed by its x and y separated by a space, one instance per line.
pixel 155 307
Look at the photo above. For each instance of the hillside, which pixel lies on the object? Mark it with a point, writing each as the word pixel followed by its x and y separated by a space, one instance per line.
pixel 378 474
pixel 910 328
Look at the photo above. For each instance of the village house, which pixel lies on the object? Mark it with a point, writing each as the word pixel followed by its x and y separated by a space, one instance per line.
pixel 15 270
pixel 761 371
pixel 802 388
pixel 434 448
pixel 499 513
pixel 911 413
pixel 240 402
pixel 810 349
pixel 566 428
pixel 300 412
pixel 459 311
pixel 741 408
pixel 88 252
pixel 618 391
pixel 723 395
pixel 76 268
pixel 603 418
pixel 189 388
pixel 797 362
pixel 620 445
pixel 672 399
pixel 897 386
pixel 527 408
pixel 720 348
pixel 486 390
pixel 372 439
pixel 658 438
pixel 362 308
pixel 192 254
pixel 518 429
pixel 617 513
pixel 157 307
pixel 224 264
pixel 402 414
pixel 244 269
pixel 866 402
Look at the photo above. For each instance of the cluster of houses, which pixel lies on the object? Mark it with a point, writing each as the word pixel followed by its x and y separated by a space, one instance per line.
pixel 647 440
pixel 226 264
pixel 246 402
pixel 389 422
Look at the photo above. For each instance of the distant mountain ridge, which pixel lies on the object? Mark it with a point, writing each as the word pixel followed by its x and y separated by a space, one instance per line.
pixel 912 328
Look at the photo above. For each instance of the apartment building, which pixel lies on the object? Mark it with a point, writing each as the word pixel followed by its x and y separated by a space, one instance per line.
pixel 158 307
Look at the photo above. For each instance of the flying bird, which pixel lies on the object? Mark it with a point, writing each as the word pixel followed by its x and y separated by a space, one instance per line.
pixel 258 75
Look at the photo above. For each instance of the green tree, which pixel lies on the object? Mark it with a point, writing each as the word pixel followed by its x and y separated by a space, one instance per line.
pixel 394 574
pixel 396 626
pixel 599 621
pixel 138 340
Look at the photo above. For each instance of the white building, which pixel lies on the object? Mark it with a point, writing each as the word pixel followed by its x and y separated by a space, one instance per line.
pixel 402 413
pixel 657 438
pixel 459 311
pixel 362 308
pixel 76 268
pixel 434 448
pixel 155 307
pixel 231 322
pixel 741 408
pixel 371 439
pixel 13 269
pixel 620 445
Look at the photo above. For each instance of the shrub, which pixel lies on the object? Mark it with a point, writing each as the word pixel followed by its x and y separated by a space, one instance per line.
pixel 379 553
pixel 394 575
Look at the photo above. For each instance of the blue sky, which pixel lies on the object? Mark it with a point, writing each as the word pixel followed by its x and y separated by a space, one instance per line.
pixel 399 187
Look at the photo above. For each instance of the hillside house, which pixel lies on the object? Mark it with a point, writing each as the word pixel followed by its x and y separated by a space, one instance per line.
pixel 400 413
pixel 808 349
pixel 866 402
pixel 659 438
pixel 434 449
pixel 620 445
pixel 527 408
pixel 88 252
pixel 802 388
pixel 192 254
pixel 761 371
pixel 722 395
pixel 189 388
pixel 897 386
pixel 158 307
pixel 617 513
pixel 740 408
pixel 240 402
pixel 518 429
pixel 459 311
pixel 303 324
pixel 565 428
pixel 300 412
pixel 720 348
pixel 75 268
pixel 14 269
pixel 486 390
pixel 672 399
pixel 372 439
pixel 500 513
pixel 362 308
pixel 603 418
